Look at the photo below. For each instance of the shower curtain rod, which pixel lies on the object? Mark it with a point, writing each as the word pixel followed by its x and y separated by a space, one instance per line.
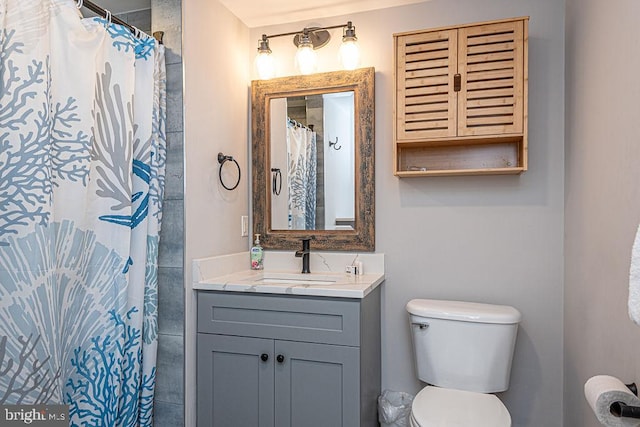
pixel 103 12
pixel 298 124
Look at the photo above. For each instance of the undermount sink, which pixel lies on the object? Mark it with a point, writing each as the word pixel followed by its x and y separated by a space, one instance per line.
pixel 295 278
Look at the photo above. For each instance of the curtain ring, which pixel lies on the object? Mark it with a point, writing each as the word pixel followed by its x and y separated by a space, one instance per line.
pixel 107 17
pixel 222 159
pixel 136 32
pixel 79 3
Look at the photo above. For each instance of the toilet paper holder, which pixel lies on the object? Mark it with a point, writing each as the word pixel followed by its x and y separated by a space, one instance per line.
pixel 622 410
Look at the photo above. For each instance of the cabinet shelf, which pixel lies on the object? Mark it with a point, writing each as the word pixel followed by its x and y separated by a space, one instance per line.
pixel 479 156
pixel 458 172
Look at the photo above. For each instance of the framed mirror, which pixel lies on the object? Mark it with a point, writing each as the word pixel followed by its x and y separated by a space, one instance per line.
pixel 313 160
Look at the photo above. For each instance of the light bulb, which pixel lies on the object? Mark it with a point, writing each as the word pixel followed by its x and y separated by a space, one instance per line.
pixel 349 51
pixel 306 59
pixel 265 65
pixel 349 54
pixel 264 62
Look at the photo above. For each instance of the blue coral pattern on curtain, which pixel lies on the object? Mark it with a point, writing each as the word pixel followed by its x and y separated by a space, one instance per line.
pixel 82 159
pixel 301 177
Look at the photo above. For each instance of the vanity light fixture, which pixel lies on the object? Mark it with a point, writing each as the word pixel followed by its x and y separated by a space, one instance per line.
pixel 264 61
pixel 307 41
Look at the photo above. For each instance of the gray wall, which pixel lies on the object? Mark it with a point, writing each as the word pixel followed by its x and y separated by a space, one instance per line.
pixel 491 239
pixel 495 239
pixel 602 203
pixel 169 398
pixel 216 93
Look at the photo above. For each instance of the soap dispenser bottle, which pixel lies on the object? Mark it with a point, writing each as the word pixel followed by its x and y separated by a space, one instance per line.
pixel 257 255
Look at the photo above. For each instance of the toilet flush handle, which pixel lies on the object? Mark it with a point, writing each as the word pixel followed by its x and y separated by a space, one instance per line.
pixel 421 325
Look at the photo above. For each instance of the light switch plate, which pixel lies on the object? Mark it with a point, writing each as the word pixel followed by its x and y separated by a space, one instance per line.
pixel 244 226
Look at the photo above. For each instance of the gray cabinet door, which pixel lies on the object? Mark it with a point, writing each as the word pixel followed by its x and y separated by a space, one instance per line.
pixel 317 385
pixel 235 386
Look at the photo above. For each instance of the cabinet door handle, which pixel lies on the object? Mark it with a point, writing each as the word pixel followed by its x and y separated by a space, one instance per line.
pixel 264 357
pixel 280 358
pixel 457 82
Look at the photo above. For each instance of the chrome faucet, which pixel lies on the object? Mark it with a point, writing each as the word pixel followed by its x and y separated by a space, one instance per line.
pixel 304 254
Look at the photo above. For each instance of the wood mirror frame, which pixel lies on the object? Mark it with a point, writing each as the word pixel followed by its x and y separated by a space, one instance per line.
pixel 361 82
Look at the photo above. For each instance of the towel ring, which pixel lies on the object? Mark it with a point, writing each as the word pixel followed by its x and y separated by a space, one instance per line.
pixel 276 186
pixel 222 159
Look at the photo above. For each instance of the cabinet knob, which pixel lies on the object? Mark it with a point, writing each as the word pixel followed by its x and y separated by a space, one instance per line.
pixel 280 358
pixel 264 357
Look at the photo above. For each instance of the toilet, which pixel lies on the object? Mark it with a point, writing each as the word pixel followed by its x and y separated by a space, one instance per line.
pixel 463 351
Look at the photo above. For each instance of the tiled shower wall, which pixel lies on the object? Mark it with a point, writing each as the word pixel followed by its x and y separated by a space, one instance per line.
pixel 169 402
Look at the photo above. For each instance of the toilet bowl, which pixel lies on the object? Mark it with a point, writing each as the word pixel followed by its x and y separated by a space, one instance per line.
pixel 463 350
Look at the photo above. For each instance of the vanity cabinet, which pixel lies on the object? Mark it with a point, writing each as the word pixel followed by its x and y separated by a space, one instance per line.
pixel 273 360
pixel 460 102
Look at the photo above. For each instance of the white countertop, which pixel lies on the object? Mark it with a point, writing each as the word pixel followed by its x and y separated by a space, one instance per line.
pixel 327 281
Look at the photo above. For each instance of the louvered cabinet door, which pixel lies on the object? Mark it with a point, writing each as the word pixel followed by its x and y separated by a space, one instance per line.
pixel 491 65
pixel 425 100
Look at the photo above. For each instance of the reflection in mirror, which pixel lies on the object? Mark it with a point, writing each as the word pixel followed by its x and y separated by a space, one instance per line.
pixel 312 156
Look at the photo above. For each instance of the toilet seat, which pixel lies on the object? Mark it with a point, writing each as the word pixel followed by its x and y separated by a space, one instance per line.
pixel 445 407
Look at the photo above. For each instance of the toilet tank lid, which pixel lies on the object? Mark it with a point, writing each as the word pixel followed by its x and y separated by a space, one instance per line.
pixel 464 311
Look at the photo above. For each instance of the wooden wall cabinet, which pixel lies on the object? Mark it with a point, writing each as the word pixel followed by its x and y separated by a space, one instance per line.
pixel 460 102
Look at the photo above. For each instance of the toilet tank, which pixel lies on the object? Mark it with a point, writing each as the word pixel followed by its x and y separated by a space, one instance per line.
pixel 463 345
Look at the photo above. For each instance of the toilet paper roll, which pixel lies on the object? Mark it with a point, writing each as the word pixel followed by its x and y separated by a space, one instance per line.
pixel 603 390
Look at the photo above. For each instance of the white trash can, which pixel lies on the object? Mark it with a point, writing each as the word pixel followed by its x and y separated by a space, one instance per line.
pixel 394 408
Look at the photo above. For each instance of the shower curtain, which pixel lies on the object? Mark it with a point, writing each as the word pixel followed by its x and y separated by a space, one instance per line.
pixel 82 156
pixel 301 177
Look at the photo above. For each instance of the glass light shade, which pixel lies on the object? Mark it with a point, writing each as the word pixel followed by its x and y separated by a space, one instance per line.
pixel 265 65
pixel 349 54
pixel 306 59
